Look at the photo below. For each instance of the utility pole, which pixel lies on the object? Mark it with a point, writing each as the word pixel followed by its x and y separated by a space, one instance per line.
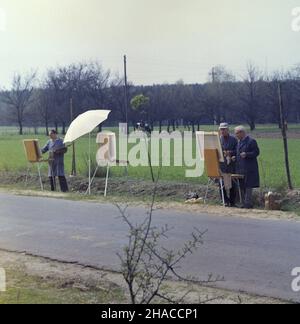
pixel 126 91
pixel 284 136
pixel 213 78
pixel 74 172
pixel 213 75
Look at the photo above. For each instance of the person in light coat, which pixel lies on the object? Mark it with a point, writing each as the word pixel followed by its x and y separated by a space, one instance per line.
pixel 56 148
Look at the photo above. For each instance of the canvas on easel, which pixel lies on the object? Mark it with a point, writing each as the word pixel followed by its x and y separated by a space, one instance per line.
pixel 211 152
pixel 34 156
pixel 209 141
pixel 212 165
pixel 108 148
pixel 32 151
pixel 106 155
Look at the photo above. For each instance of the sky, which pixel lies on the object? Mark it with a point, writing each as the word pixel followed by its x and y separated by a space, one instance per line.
pixel 164 40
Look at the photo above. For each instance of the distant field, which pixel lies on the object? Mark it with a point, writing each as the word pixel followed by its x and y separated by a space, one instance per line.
pixel 271 160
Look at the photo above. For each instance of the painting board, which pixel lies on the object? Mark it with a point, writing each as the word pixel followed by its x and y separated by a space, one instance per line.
pixel 32 151
pixel 209 141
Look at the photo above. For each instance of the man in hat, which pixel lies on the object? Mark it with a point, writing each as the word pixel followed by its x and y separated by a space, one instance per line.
pixel 247 164
pixel 57 150
pixel 229 146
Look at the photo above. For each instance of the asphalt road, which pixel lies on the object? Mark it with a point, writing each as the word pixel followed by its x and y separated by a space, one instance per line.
pixel 254 256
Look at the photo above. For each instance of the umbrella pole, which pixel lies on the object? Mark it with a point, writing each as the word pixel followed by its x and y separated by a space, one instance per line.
pixel 106 180
pixel 89 163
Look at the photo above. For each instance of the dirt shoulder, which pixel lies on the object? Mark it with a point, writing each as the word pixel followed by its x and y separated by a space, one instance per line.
pixel 33 280
pixel 232 212
pixel 170 195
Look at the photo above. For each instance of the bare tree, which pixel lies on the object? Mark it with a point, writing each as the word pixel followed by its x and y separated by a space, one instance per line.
pixel 44 104
pixel 294 86
pixel 146 265
pixel 220 75
pixel 98 83
pixel 250 95
pixel 18 98
pixel 84 83
pixel 271 96
pixel 115 98
pixel 216 95
pixel 252 100
pixel 64 83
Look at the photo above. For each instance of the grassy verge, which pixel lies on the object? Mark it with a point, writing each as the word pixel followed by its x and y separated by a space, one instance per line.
pixel 35 280
pixel 26 286
pixel 26 289
pixel 170 195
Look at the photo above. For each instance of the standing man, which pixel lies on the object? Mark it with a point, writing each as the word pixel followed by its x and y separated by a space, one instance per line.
pixel 57 150
pixel 229 146
pixel 247 165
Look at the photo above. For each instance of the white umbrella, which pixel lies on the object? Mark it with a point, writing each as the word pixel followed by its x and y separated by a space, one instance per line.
pixel 85 124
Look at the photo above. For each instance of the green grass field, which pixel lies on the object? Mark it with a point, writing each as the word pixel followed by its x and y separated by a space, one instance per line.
pixel 271 160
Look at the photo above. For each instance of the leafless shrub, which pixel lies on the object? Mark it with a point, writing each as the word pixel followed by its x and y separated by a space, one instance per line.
pixel 146 265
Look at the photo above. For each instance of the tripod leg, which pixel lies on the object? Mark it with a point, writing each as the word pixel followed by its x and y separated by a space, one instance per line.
pixel 27 175
pixel 106 181
pixel 222 191
pixel 53 176
pixel 207 189
pixel 40 176
pixel 93 178
pixel 126 171
pixel 240 191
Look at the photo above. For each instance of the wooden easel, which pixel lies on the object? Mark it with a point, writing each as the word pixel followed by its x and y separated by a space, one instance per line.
pixel 109 159
pixel 212 165
pixel 34 157
pixel 108 166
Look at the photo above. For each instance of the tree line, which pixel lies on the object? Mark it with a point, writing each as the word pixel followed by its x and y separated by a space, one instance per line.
pixel 65 92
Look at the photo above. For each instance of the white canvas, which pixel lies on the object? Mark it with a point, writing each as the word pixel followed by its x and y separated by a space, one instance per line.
pixel 211 142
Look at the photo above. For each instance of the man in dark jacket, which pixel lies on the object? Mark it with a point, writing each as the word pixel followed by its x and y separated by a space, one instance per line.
pixel 229 146
pixel 247 165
